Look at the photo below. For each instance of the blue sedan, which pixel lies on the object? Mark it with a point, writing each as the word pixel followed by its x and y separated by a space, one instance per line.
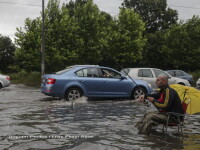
pixel 92 81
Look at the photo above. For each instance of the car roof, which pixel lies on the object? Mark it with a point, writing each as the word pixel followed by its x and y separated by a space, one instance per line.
pixel 86 66
pixel 173 70
pixel 142 68
pixel 82 66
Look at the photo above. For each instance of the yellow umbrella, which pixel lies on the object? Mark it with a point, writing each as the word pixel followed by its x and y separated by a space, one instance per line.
pixel 191 94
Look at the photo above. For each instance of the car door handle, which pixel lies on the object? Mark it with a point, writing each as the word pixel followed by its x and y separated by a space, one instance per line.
pixel 107 82
pixel 82 81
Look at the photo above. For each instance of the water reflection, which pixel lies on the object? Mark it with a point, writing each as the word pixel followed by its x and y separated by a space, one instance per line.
pixel 30 120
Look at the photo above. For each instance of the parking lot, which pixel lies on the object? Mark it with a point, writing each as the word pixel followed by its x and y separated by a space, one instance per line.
pixel 31 120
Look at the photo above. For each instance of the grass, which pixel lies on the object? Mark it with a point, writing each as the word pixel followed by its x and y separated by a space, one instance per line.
pixel 27 78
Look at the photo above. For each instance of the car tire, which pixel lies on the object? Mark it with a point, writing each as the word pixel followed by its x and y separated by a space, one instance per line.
pixel 1 86
pixel 137 92
pixel 73 94
pixel 181 83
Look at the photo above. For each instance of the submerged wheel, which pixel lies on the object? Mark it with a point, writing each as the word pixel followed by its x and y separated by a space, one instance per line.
pixel 137 92
pixel 181 83
pixel 73 93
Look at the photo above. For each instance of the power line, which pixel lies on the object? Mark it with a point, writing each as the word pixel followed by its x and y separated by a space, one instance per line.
pixel 19 4
pixel 184 7
pixel 41 5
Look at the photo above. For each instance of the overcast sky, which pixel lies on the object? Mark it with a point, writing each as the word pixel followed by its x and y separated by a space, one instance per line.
pixel 13 13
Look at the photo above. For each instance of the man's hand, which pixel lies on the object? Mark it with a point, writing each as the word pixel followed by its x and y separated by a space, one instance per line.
pixel 150 98
pixel 141 98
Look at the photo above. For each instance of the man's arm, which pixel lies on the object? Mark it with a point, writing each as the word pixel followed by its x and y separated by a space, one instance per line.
pixel 164 104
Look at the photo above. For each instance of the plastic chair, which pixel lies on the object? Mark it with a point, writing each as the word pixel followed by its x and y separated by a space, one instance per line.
pixel 180 117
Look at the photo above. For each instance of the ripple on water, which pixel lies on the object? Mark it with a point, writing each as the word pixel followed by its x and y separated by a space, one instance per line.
pixel 109 123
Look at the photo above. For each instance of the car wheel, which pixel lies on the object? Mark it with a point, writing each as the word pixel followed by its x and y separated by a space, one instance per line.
pixel 73 94
pixel 1 86
pixel 137 92
pixel 181 83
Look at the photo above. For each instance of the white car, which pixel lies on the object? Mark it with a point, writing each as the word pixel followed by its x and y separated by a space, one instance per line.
pixel 150 75
pixel 4 81
pixel 198 83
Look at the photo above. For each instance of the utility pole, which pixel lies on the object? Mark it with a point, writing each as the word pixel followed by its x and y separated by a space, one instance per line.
pixel 43 43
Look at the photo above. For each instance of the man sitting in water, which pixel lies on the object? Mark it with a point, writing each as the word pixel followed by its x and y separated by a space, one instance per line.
pixel 166 100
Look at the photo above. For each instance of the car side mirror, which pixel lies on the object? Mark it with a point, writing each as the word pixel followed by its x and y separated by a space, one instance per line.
pixel 123 77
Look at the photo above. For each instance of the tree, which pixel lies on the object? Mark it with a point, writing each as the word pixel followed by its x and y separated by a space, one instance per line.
pixel 177 47
pixel 154 13
pixel 153 55
pixel 7 49
pixel 60 41
pixel 79 33
pixel 28 49
pixel 93 30
pixel 70 38
pixel 158 19
pixel 125 40
pixel 182 45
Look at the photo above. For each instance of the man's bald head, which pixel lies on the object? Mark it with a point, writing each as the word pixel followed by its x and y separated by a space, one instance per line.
pixel 162 81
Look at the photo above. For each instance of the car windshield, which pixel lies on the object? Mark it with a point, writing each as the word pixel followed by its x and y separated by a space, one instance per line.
pixel 125 71
pixel 160 73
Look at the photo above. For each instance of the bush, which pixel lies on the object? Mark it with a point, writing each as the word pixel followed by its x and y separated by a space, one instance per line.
pixel 28 78
pixel 196 75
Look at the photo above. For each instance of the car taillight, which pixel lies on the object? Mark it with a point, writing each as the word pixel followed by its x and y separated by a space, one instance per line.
pixel 51 81
pixel 8 78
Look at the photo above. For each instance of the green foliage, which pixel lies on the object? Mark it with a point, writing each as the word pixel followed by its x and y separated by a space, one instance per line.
pixel 23 77
pixel 126 41
pixel 28 41
pixel 79 33
pixel 7 49
pixel 153 54
pixel 159 19
pixel 182 45
pixel 196 75
pixel 154 13
pixel 175 48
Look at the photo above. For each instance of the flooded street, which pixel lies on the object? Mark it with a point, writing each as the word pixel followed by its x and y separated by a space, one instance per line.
pixel 31 120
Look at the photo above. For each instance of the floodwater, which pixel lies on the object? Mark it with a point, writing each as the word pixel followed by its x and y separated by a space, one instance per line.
pixel 31 120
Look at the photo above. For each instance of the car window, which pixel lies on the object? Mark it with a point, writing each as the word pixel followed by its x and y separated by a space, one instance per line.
pixel 159 73
pixel 88 72
pixel 145 73
pixel 110 74
pixel 171 73
pixel 63 71
pixel 185 74
pixel 179 73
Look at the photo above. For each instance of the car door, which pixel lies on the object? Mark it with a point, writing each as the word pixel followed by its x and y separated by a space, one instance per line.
pixel 114 84
pixel 89 79
pixel 147 75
